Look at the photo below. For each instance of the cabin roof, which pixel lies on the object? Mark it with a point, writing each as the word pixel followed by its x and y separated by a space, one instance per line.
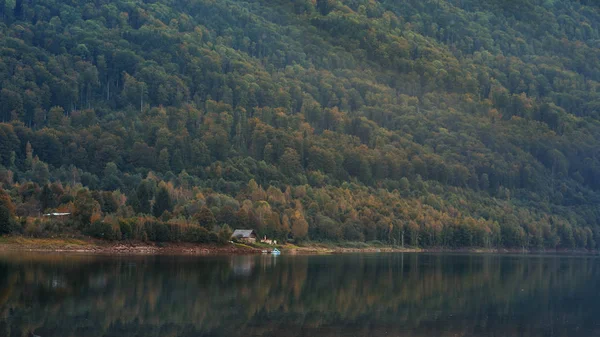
pixel 243 233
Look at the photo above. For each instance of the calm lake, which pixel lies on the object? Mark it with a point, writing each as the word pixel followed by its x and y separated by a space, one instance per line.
pixel 405 295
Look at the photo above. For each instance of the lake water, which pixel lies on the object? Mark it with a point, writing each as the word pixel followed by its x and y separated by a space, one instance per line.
pixel 406 295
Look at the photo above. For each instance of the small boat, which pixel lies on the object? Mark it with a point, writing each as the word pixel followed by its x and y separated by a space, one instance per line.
pixel 265 251
pixel 275 252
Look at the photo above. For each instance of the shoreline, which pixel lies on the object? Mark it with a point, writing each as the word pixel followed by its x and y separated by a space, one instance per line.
pixel 317 250
pixel 100 247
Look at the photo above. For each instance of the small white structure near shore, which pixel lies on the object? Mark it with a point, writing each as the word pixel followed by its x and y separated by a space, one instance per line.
pixel 268 241
pixel 57 214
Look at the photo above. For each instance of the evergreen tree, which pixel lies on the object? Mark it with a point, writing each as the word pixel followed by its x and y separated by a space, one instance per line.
pixel 6 221
pixel 225 234
pixel 206 218
pixel 177 164
pixel 164 161
pixel 47 198
pixel 144 195
pixel 162 202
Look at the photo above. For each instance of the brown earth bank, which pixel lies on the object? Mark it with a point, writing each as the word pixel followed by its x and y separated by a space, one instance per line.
pixel 94 246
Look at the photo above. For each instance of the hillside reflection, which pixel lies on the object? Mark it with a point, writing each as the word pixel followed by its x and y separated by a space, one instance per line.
pixel 358 295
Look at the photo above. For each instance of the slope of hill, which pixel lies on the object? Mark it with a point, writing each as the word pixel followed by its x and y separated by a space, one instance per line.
pixel 433 123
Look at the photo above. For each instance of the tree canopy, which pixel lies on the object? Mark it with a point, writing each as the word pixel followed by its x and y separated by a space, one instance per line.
pixel 431 123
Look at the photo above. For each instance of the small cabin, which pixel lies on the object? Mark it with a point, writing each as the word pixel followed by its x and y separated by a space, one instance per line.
pixel 245 235
pixel 57 214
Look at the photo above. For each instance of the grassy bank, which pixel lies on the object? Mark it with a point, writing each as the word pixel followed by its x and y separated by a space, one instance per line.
pixel 335 248
pixel 377 247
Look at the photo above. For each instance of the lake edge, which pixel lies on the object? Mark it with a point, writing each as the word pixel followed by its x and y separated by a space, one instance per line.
pixel 94 246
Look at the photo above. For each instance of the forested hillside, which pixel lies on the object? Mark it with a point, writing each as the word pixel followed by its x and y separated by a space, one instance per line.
pixel 454 123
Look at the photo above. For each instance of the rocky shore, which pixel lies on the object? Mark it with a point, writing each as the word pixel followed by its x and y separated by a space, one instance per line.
pixel 119 248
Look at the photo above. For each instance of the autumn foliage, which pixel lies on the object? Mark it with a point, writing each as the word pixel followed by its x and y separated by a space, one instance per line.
pixel 429 123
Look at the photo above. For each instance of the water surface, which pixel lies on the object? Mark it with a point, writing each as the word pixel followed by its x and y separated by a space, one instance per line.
pixel 405 295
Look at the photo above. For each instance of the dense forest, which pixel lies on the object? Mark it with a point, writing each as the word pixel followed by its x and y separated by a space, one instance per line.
pixel 436 123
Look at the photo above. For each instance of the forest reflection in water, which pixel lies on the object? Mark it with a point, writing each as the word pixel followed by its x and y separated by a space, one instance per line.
pixel 406 295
